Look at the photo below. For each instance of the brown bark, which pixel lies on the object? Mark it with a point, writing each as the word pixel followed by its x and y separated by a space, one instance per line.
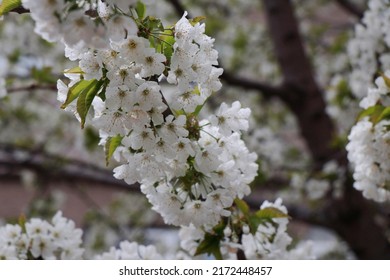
pixel 356 220
pixel 351 8
pixel 352 217
pixel 302 94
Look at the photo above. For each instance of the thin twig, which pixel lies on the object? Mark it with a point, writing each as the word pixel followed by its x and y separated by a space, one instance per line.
pixel 20 10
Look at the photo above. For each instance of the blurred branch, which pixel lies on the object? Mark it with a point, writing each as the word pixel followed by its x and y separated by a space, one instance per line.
pixel 249 84
pixel 33 87
pixel 74 172
pixel 15 159
pixel 350 7
pixel 351 215
pixel 179 8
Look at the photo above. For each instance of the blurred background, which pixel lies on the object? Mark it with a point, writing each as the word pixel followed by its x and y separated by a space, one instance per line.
pixel 286 60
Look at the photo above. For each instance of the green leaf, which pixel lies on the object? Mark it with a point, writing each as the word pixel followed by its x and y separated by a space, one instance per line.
pixel 241 41
pixel 74 70
pixel 9 5
pixel 75 91
pixel 264 215
pixel 43 75
pixel 161 27
pixel 385 115
pixel 14 56
pixel 339 43
pixel 214 26
pixel 91 138
pixel 167 42
pixel 111 145
pixel 386 79
pixel 343 93
pixel 22 222
pixel 376 113
pixel 198 109
pixel 210 245
pixel 85 99
pixel 211 242
pixel 151 22
pixel 196 20
pixel 271 213
pixel 254 222
pixel 140 9
pixel 373 110
pixel 242 205
pixel 102 93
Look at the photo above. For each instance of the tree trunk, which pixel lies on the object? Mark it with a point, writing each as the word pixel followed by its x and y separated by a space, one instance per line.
pixel 352 217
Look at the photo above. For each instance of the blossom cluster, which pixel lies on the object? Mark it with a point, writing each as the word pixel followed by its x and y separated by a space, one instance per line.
pixel 316 185
pixel 369 49
pixel 269 240
pixel 77 23
pixel 190 170
pixel 39 239
pixel 131 251
pixel 147 86
pixel 342 105
pixel 60 239
pixel 368 147
pixel 127 212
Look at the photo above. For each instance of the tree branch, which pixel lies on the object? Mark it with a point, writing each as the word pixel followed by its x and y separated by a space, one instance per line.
pixel 351 8
pixel 32 87
pixel 178 6
pixel 302 94
pixel 52 167
pixel 266 89
pixel 20 10
pixel 352 215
